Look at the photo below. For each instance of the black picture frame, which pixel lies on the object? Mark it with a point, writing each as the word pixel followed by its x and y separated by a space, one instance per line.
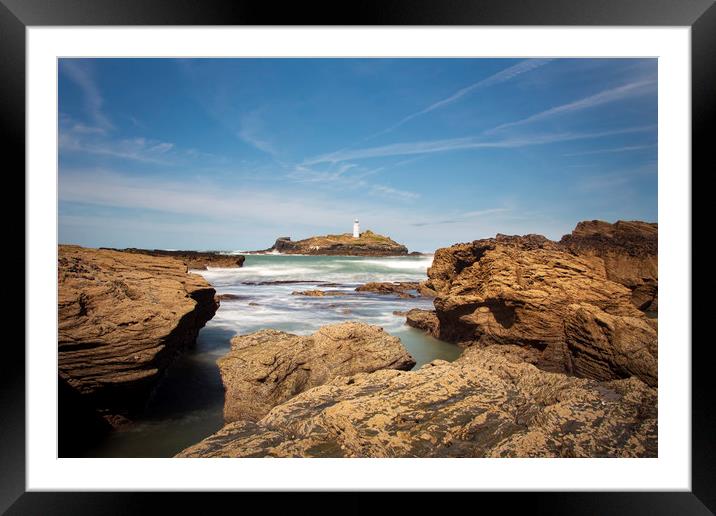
pixel 17 15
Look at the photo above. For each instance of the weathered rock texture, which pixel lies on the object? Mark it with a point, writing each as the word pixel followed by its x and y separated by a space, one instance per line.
pixel 266 368
pixel 535 293
pixel 483 405
pixel 194 259
pixel 425 320
pixel 397 288
pixel 369 244
pixel 123 317
pixel 629 251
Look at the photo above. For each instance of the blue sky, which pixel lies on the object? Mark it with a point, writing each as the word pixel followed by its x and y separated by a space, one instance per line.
pixel 232 153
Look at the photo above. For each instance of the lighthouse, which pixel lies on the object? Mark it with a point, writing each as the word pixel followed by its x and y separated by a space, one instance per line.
pixel 356 229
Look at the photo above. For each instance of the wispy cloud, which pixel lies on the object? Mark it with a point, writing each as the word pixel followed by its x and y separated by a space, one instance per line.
pixel 251 130
pixel 603 97
pixel 499 77
pixel 211 202
pixel 462 217
pixel 627 148
pixel 335 178
pixel 135 149
pixel 473 142
pixel 79 73
pixel 388 191
pixel 614 179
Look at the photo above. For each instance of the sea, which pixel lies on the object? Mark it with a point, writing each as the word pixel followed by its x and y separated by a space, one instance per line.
pixel 187 404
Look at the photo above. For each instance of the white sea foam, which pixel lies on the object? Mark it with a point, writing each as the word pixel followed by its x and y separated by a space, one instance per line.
pixel 407 264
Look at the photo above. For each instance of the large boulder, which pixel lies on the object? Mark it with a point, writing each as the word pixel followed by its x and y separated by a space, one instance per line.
pixel 485 404
pixel 629 252
pixel 267 368
pixel 519 291
pixel 123 318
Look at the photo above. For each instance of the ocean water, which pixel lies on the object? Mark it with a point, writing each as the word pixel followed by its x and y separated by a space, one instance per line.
pixel 187 405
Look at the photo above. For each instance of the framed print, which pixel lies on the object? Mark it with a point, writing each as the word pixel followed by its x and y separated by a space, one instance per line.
pixel 414 248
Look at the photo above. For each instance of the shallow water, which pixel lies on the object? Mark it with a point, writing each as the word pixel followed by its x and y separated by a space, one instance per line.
pixel 187 405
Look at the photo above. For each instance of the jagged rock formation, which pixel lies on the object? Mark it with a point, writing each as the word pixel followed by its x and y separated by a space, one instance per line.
pixel 194 259
pixel 369 244
pixel 123 318
pixel 629 251
pixel 266 368
pixel 539 294
pixel 485 404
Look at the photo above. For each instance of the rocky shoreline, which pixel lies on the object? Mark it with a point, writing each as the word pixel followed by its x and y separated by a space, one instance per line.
pixel 123 319
pixel 560 354
pixel 198 260
pixel 482 405
pixel 569 306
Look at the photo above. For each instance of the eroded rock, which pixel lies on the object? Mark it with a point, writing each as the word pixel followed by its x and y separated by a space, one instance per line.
pixel 512 290
pixel 199 260
pixel 266 368
pixel 629 251
pixel 425 320
pixel 397 288
pixel 123 318
pixel 485 404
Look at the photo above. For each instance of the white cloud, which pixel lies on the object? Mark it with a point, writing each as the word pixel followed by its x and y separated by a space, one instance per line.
pixel 231 205
pixel 135 149
pixel 626 148
pixel 472 142
pixel 337 179
pixel 463 217
pixel 78 73
pixel 499 77
pixel 394 192
pixel 603 97
pixel 252 127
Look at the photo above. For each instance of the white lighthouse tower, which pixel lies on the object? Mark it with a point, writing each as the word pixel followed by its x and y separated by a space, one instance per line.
pixel 356 229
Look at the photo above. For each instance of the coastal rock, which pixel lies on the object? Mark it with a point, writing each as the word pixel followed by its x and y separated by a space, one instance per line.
pixel 194 259
pixel 511 290
pixel 123 318
pixel 398 288
pixel 369 244
pixel 230 297
pixel 319 293
pixel 425 290
pixel 603 346
pixel 484 404
pixel 629 251
pixel 266 368
pixel 425 320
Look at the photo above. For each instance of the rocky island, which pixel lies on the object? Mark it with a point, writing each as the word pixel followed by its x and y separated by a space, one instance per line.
pixel 367 244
